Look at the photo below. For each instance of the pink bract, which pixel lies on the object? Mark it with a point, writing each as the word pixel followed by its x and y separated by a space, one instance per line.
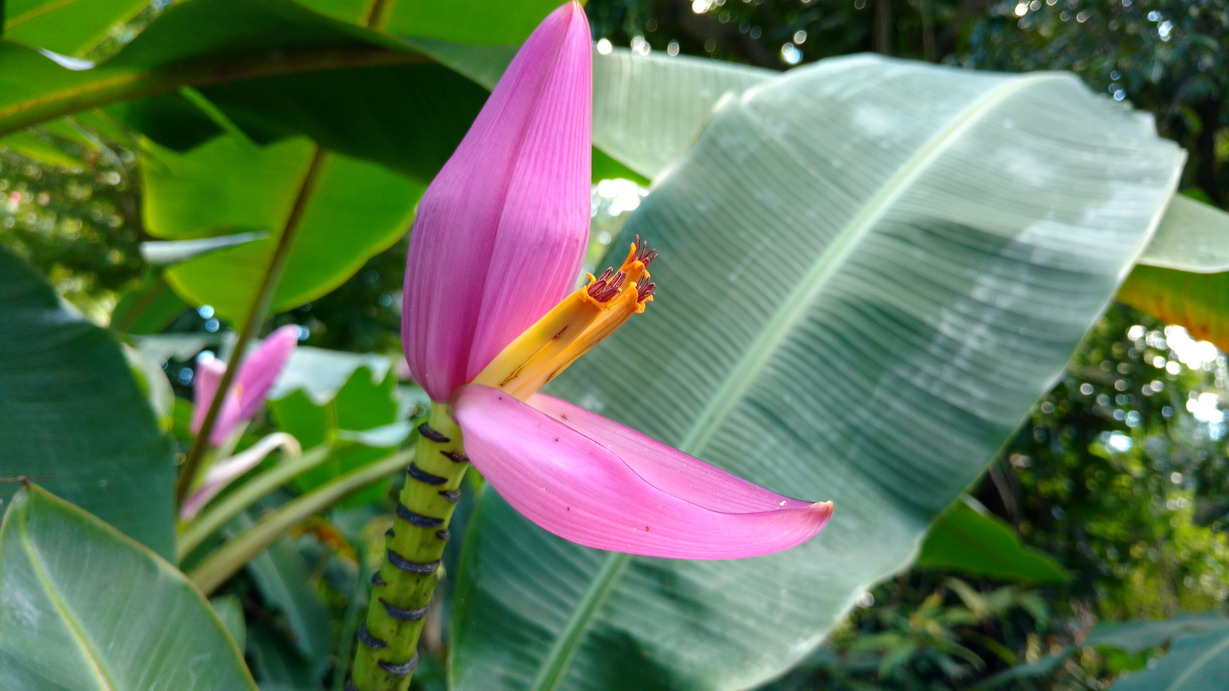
pixel 601 484
pixel 501 231
pixel 251 385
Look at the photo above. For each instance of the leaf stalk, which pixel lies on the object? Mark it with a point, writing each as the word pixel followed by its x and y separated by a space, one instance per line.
pixel 224 563
pixel 251 323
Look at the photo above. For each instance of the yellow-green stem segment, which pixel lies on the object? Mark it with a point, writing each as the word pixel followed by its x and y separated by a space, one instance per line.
pixel 386 651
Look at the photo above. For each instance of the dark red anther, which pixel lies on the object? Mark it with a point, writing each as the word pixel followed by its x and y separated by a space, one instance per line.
pixel 643 254
pixel 645 290
pixel 607 285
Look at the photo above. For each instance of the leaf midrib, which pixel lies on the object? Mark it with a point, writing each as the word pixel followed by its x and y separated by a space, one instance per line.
pixel 92 658
pixel 126 83
pixel 828 264
pixel 755 357
pixel 1200 661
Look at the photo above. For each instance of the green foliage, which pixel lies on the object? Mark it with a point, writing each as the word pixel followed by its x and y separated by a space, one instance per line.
pixel 966 539
pixel 296 610
pixel 80 228
pixel 221 47
pixel 70 28
pixel 71 402
pixel 924 633
pixel 362 405
pixel 97 610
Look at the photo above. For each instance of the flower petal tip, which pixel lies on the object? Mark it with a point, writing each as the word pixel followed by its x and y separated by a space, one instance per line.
pixel 600 484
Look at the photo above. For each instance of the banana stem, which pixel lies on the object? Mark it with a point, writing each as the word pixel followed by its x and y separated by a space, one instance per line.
pixel 387 649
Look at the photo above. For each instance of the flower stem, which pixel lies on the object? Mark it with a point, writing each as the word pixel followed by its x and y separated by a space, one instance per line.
pixel 251 324
pixel 387 651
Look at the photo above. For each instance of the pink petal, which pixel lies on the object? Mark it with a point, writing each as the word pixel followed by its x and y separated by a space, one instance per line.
pixel 228 418
pixel 603 485
pixel 247 392
pixel 665 467
pixel 501 231
pixel 204 388
pixel 260 370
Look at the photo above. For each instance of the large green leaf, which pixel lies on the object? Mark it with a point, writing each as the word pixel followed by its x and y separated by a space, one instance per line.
pixel 354 210
pixel 207 41
pixel 272 68
pixel 83 607
pixel 869 271
pixel 465 21
pixel 969 541
pixel 65 26
pixel 72 417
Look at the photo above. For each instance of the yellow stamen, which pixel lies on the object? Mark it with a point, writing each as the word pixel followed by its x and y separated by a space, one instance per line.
pixel 572 328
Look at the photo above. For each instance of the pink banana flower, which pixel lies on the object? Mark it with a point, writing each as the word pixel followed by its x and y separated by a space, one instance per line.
pixel 490 318
pixel 248 390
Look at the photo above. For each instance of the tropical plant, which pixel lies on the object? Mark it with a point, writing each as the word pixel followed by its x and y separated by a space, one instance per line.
pixel 867 271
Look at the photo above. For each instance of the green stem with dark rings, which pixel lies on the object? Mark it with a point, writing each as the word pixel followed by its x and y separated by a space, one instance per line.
pixel 387 648
pixel 251 324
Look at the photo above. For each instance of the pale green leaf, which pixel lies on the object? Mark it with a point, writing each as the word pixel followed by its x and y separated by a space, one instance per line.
pixel 1195 662
pixel 83 607
pixel 1192 237
pixel 869 271
pixel 173 251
